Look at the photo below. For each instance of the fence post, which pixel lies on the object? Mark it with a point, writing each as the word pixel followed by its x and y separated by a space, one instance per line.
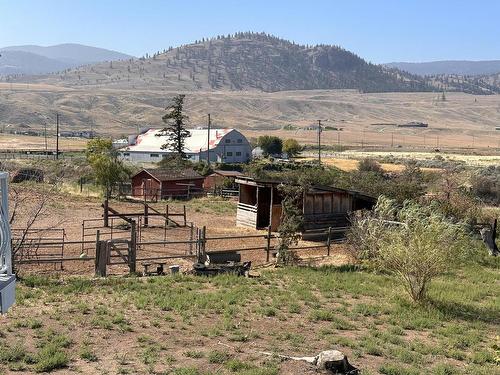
pixel 203 242
pixel 166 213
pixel 106 217
pixel 197 243
pixel 83 236
pixel 329 240
pixel 185 222
pixel 100 256
pixel 133 247
pixel 268 245
pixel 191 228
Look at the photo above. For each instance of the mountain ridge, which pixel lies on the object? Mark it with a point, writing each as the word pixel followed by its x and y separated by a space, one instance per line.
pixel 443 67
pixel 34 59
pixel 258 61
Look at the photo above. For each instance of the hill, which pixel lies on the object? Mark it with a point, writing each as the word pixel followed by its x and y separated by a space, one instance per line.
pixel 246 61
pixel 31 59
pixel 21 62
pixel 454 67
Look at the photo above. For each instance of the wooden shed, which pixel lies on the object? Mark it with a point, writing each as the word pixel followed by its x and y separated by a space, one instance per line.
pixel 218 179
pixel 259 205
pixel 153 184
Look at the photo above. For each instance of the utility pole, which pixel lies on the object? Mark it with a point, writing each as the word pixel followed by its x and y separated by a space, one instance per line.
pixel 45 136
pixel 319 142
pixel 208 140
pixel 57 135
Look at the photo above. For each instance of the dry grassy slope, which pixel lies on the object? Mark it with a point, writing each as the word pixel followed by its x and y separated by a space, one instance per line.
pixel 242 62
pixel 119 112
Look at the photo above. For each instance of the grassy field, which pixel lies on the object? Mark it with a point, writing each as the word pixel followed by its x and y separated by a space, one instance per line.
pixel 463 121
pixel 191 325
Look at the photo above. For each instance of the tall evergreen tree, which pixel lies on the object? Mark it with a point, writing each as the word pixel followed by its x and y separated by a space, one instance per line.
pixel 175 129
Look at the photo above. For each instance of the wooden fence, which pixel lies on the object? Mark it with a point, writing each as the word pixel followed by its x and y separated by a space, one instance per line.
pixel 128 251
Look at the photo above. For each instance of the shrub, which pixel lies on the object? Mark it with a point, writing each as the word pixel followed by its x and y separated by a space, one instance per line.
pixel 413 242
pixel 370 165
pixel 486 184
pixel 218 357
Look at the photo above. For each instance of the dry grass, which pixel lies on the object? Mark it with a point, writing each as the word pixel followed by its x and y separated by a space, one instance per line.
pixel 23 142
pixel 460 122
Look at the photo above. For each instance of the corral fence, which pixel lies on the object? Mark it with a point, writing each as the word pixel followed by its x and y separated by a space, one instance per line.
pixel 122 237
pixel 7 154
pixel 128 252
pixel 36 243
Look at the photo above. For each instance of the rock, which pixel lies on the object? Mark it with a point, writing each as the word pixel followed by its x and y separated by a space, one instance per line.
pixel 335 362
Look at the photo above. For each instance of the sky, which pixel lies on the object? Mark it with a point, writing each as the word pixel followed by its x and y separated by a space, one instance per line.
pixel 378 30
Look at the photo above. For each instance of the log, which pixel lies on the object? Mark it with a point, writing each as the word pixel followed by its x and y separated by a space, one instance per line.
pixel 488 234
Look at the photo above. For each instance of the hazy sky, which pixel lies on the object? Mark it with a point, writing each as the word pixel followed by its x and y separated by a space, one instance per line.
pixel 377 30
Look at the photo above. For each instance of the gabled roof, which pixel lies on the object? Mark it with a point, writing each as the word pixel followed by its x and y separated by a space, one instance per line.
pixel 164 174
pixel 220 172
pixel 152 140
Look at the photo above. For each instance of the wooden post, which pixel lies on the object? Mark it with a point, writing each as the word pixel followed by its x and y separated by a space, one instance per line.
pixel 329 240
pixel 96 260
pixel 83 236
pixel 197 242
pixel 146 212
pixel 185 223
pixel 203 242
pixel 106 217
pixel 101 251
pixel 132 248
pixel 191 228
pixel 166 212
pixel 268 246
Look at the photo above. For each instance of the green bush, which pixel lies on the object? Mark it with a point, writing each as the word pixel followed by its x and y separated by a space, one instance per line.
pixel 413 242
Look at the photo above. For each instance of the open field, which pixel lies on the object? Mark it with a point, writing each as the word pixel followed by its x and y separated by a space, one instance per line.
pixel 24 142
pixel 193 325
pixel 462 122
pixel 188 325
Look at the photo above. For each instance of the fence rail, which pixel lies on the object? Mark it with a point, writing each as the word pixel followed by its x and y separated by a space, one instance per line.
pixel 131 249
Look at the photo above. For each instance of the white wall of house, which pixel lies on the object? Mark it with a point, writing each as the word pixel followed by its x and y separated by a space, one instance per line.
pixel 233 147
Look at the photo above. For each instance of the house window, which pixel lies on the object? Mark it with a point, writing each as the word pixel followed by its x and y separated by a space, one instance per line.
pixel 238 153
pixel 240 140
pixel 229 153
pixel 228 140
pixel 154 155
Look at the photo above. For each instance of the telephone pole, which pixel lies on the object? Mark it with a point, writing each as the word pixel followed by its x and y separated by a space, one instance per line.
pixel 57 135
pixel 208 140
pixel 319 142
pixel 45 136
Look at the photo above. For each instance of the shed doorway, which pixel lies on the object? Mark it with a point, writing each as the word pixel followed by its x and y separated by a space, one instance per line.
pixel 263 206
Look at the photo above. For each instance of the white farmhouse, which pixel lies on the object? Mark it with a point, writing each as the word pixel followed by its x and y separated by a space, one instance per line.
pixel 226 145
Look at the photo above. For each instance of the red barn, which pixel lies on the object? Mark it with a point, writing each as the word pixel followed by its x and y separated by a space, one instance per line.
pixel 219 179
pixel 153 184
